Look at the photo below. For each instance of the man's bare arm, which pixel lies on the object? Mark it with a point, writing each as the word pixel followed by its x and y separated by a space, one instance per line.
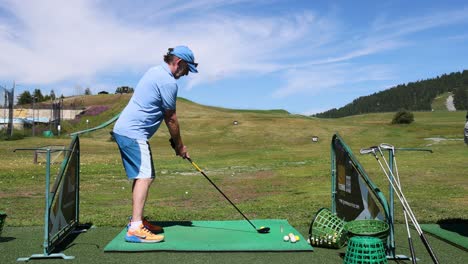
pixel 170 117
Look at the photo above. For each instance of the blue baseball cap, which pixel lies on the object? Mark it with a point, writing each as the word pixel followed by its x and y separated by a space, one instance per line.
pixel 186 54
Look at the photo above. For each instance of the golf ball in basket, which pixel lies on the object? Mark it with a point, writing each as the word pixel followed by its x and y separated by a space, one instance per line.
pixel 286 238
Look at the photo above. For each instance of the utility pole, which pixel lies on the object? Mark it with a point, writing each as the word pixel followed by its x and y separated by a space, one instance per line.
pixel 61 111
pixel 51 113
pixel 33 126
pixel 4 109
pixel 11 106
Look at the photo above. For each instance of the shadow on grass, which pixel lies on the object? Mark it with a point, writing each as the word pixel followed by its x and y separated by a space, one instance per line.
pixel 6 239
pixel 457 225
pixel 172 223
pixel 164 224
pixel 68 241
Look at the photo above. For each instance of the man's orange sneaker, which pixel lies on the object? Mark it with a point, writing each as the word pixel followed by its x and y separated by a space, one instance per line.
pixel 142 235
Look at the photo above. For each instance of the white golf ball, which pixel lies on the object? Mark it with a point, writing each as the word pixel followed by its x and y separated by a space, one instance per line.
pixel 286 238
pixel 186 192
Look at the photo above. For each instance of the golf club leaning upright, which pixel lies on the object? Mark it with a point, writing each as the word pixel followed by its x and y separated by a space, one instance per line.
pixel 262 230
pixel 396 187
pixel 410 240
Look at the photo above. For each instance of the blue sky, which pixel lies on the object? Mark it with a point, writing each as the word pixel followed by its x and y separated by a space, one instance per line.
pixel 301 56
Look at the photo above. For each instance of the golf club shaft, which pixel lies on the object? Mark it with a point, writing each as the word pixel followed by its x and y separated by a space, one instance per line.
pixel 219 190
pixel 393 184
pixel 393 181
pixel 399 195
pixel 429 248
pixel 410 240
pixel 407 208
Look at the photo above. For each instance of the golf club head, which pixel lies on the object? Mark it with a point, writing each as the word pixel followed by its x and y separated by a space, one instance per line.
pixel 263 230
pixel 387 146
pixel 365 151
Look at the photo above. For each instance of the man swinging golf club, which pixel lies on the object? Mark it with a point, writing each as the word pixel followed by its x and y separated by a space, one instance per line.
pixel 154 99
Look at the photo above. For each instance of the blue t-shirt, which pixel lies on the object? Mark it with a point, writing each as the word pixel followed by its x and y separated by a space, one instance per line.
pixel 154 93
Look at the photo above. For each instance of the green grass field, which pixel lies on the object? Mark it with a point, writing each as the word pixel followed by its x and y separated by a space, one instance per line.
pixel 267 165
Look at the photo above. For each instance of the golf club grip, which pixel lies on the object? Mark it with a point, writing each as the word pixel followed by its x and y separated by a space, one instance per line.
pixel 196 166
pixel 219 190
pixel 429 249
pixel 413 254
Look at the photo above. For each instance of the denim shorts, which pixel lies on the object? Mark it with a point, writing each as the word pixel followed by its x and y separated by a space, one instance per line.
pixel 136 157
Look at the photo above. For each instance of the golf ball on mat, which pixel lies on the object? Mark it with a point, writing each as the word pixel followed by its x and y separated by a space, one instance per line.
pixel 286 238
pixel 297 238
pixel 292 238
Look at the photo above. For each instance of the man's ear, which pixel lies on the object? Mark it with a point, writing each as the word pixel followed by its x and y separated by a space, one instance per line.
pixel 176 61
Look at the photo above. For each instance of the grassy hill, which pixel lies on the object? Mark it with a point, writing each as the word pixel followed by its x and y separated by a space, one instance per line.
pixel 268 165
pixel 108 105
pixel 115 104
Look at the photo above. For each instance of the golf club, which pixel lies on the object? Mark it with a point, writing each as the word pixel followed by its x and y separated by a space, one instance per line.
pixel 261 230
pixel 408 209
pixel 410 240
pixel 403 201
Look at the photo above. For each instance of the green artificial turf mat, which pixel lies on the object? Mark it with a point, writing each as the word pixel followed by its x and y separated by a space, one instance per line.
pixel 217 236
pixel 451 233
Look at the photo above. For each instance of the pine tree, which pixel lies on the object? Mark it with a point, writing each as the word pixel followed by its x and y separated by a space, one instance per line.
pixel 24 98
pixel 52 94
pixel 88 91
pixel 460 99
pixel 38 95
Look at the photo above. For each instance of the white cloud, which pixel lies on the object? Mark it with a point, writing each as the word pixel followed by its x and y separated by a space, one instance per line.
pixel 52 42
pixel 74 40
pixel 458 37
pixel 67 40
pixel 314 79
pixel 329 72
pixel 391 27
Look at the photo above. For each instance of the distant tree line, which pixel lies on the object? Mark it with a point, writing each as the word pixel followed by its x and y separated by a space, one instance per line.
pixel 412 96
pixel 27 98
pixel 460 97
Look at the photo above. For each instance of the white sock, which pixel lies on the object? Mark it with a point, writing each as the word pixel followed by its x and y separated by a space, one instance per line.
pixel 135 225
